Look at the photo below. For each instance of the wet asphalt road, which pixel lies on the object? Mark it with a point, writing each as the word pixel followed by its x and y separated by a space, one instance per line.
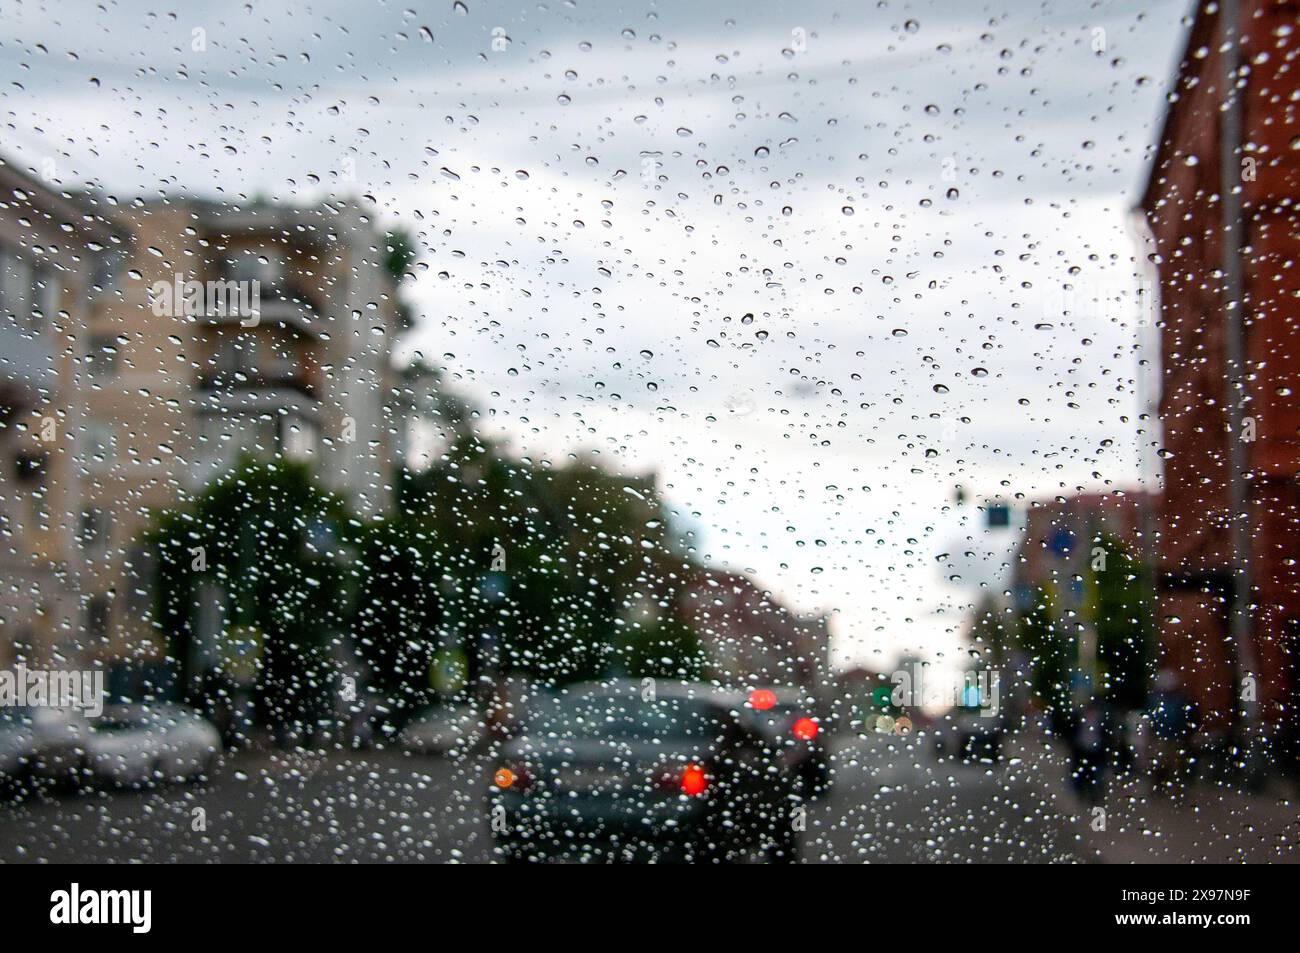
pixel 892 801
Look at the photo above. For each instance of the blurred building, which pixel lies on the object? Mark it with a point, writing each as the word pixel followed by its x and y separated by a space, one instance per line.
pixel 1060 535
pixel 751 638
pixel 50 248
pixel 1181 205
pixel 1062 542
pixel 860 696
pixel 223 330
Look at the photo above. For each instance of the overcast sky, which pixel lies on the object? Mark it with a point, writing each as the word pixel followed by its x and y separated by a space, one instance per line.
pixel 807 261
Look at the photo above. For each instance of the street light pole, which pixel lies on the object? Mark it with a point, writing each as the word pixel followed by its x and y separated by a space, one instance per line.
pixel 1231 187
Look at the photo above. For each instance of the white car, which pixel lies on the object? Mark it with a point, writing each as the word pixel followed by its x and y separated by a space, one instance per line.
pixel 61 737
pixel 441 730
pixel 17 746
pixel 137 745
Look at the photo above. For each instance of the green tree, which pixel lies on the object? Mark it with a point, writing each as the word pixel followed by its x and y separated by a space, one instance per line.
pixel 1122 595
pixel 398 610
pixel 989 631
pixel 269 539
pixel 400 256
pixel 590 563
pixel 670 649
pixel 1053 653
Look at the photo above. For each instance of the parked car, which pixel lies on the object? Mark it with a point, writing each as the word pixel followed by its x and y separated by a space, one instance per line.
pixel 603 769
pixel 60 747
pixel 969 733
pixel 17 747
pixel 788 718
pixel 137 745
pixel 443 730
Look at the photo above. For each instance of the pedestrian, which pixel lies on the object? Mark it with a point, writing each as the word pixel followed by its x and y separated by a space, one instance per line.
pixel 1115 740
pixel 1169 716
pixel 1089 762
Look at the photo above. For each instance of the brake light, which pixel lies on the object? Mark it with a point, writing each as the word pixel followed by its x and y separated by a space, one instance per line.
pixel 693 781
pixel 690 780
pixel 805 729
pixel 512 779
pixel 762 699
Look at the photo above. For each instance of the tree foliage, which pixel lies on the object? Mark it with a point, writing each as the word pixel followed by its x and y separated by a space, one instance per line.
pixel 1053 652
pixel 264 543
pixel 1122 600
pixel 556 573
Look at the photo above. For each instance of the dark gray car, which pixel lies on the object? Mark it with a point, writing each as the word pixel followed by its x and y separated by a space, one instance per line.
pixel 618 771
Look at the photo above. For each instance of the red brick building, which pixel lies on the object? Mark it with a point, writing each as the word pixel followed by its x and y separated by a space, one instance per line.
pixel 1182 207
pixel 751 638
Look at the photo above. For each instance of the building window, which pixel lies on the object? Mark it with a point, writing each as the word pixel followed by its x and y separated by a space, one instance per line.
pixel 101 444
pixel 30 293
pixel 281 362
pixel 139 576
pixel 45 295
pixel 97 617
pixel 29 469
pixel 298 438
pixel 236 354
pixel 103 357
pixel 264 266
pixel 15 287
pixel 107 265
pixel 94 528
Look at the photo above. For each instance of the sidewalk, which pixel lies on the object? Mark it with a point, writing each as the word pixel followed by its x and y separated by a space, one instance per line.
pixel 1209 824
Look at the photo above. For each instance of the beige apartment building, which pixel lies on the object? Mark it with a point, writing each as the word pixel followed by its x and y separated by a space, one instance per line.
pixel 51 251
pixel 262 329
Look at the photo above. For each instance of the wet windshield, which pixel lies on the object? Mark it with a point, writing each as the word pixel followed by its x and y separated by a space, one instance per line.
pixel 887 410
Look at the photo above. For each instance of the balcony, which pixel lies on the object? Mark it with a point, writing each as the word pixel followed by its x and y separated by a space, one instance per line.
pixel 257 380
pixel 283 302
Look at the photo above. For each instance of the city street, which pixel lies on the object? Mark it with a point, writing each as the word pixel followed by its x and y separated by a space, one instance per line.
pixel 495 433
pixel 895 802
pixel 891 801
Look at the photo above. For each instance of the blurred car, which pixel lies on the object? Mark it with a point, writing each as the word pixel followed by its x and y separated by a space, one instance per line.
pixel 969 733
pixel 59 747
pixel 443 730
pixel 136 745
pixel 602 769
pixel 787 717
pixel 17 747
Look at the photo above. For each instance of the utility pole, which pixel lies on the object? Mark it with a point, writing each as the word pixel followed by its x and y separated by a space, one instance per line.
pixel 1231 187
pixel 1148 303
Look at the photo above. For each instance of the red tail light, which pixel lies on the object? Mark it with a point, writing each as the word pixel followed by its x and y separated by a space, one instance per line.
pixel 805 729
pixel 690 780
pixel 694 783
pixel 762 699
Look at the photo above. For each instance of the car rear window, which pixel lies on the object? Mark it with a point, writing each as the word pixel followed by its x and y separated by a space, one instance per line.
pixel 614 717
